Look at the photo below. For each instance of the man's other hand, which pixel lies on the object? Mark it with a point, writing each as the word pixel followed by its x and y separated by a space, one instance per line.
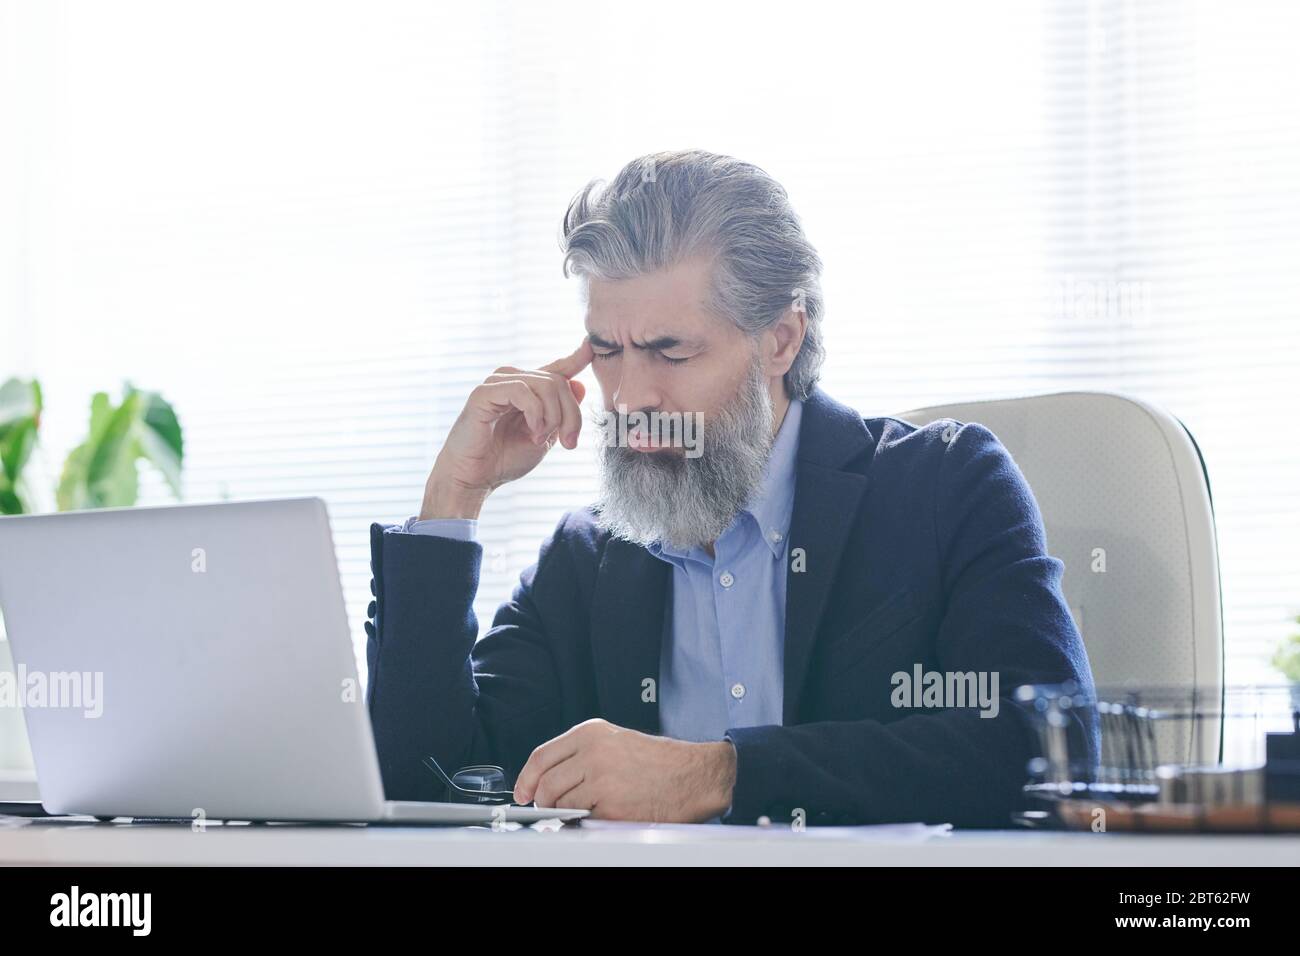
pixel 622 774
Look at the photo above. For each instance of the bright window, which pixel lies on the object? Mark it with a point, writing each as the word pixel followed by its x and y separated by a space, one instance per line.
pixel 315 226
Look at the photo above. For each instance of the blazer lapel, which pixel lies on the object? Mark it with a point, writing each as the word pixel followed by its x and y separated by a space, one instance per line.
pixel 627 625
pixel 826 499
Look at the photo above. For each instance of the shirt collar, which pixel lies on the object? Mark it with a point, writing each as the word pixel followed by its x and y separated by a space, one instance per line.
pixel 773 503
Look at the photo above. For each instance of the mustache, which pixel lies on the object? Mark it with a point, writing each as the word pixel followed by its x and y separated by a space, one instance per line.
pixel 651 429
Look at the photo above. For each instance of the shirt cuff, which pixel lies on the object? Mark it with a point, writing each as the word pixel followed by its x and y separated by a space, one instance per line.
pixel 458 529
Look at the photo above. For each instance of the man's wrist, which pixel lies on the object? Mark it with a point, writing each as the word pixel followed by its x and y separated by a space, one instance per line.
pixel 719 778
pixel 446 500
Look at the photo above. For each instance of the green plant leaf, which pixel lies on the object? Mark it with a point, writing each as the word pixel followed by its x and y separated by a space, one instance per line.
pixel 118 487
pixel 113 440
pixel 19 401
pixel 72 493
pixel 103 472
pixel 16 446
pixel 20 419
pixel 9 501
pixel 161 442
pixel 101 409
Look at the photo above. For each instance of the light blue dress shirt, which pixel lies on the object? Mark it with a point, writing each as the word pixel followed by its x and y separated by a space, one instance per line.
pixel 723 657
pixel 462 529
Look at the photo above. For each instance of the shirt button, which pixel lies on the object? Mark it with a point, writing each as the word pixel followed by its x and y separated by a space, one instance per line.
pixel 776 536
pixel 726 579
pixel 737 691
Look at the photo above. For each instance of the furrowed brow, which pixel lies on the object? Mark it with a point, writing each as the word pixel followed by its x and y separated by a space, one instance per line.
pixel 663 343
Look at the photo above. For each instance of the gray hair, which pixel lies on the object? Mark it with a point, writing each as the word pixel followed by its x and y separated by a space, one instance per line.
pixel 664 207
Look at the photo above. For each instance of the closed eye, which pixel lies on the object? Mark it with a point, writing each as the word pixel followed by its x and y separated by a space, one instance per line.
pixel 613 353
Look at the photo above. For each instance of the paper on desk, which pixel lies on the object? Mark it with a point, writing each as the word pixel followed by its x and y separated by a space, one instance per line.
pixel 889 832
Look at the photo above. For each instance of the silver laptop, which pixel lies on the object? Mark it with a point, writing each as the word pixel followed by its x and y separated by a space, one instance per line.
pixel 196 663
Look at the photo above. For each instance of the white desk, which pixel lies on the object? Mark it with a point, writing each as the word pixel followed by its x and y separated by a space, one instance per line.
pixel 34 842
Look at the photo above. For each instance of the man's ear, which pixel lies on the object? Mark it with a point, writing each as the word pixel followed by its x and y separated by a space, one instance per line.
pixel 783 341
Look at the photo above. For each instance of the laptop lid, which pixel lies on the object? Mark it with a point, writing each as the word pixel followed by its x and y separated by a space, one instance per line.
pixel 195 660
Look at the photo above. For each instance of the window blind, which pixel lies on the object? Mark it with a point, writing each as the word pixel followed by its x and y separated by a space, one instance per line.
pixel 315 227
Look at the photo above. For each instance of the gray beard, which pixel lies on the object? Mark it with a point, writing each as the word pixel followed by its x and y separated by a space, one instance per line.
pixel 648 497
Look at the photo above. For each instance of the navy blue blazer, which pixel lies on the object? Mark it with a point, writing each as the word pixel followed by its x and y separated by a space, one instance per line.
pixel 921 546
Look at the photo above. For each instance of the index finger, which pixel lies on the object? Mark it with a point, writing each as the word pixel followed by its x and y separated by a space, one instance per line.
pixel 574 362
pixel 554 751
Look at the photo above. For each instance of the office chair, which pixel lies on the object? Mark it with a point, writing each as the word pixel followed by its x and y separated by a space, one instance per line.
pixel 1125 499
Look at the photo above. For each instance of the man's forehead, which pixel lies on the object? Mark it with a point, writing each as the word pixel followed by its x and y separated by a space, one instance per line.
pixel 669 302
pixel 649 319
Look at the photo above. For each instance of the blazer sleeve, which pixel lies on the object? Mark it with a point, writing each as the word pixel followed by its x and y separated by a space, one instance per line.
pixel 432 689
pixel 1005 613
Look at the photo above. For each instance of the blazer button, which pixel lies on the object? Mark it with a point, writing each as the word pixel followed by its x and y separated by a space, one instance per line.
pixel 370 629
pixel 370 609
pixel 372 587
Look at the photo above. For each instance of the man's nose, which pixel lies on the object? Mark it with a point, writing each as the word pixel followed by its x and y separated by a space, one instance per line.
pixel 636 389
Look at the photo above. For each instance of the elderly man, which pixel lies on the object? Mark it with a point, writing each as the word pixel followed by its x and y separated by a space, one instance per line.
pixel 721 636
